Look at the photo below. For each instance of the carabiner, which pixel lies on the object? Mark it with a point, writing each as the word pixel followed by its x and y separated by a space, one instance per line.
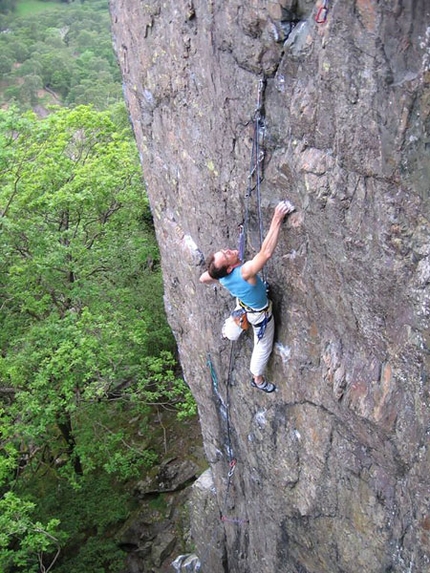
pixel 321 15
pixel 232 468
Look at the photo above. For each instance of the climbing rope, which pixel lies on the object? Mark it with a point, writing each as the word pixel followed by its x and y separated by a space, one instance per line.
pixel 259 158
pixel 255 173
pixel 229 378
pixel 254 182
pixel 232 463
pixel 225 404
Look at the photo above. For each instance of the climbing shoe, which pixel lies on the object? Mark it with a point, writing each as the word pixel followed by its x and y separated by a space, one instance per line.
pixel 266 386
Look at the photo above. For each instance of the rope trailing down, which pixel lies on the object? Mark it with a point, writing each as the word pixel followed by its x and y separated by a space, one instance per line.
pixel 190 562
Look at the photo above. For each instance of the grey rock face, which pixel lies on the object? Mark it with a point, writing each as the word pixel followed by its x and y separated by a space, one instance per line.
pixel 332 472
pixel 207 527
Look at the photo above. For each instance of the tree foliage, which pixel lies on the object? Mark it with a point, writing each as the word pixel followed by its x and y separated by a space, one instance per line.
pixel 7 6
pixel 85 345
pixel 23 540
pixel 69 49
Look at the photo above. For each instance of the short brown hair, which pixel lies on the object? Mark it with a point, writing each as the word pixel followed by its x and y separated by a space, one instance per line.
pixel 214 271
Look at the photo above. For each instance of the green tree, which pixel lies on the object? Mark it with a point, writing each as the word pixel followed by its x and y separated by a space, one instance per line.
pixel 12 93
pixel 7 6
pixel 18 49
pixel 28 90
pixel 25 542
pixel 6 64
pixel 31 66
pixel 86 39
pixel 77 260
pixel 84 343
pixel 57 70
pixel 89 92
pixel 64 46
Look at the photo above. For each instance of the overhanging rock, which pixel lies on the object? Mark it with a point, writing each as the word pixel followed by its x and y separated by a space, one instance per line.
pixel 332 472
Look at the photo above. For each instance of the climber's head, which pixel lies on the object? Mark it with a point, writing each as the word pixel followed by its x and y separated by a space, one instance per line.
pixel 221 263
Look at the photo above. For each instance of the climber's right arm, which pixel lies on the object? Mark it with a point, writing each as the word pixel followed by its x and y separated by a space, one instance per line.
pixel 250 269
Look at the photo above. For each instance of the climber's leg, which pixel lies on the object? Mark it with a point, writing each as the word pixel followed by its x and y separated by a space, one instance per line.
pixel 262 348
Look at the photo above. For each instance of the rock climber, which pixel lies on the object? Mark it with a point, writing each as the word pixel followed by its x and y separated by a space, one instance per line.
pixel 241 279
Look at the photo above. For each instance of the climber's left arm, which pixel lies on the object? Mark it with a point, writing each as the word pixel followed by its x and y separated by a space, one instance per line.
pixel 206 279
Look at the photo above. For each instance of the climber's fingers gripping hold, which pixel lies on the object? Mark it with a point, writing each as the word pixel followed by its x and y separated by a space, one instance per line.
pixel 283 209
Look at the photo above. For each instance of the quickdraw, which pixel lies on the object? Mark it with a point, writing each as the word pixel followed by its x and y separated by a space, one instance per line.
pixel 322 13
pixel 233 520
pixel 232 468
pixel 241 243
pixel 262 327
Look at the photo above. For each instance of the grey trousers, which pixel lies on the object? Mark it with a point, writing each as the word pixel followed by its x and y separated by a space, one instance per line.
pixel 262 347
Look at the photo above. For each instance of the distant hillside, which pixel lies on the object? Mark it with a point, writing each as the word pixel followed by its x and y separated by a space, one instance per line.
pixel 60 55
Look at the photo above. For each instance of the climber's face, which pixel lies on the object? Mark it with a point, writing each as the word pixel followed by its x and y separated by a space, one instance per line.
pixel 227 258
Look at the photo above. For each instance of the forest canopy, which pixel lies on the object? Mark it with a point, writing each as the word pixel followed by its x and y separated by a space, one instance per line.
pixel 85 345
pixel 62 55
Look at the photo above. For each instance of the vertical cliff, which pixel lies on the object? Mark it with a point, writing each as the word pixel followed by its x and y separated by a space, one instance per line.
pixel 332 472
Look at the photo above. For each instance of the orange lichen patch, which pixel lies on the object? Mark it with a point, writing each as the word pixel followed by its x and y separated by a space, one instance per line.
pixel 315 437
pixel 425 523
pixel 384 391
pixel 425 527
pixel 358 390
pixel 313 331
pixel 367 12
